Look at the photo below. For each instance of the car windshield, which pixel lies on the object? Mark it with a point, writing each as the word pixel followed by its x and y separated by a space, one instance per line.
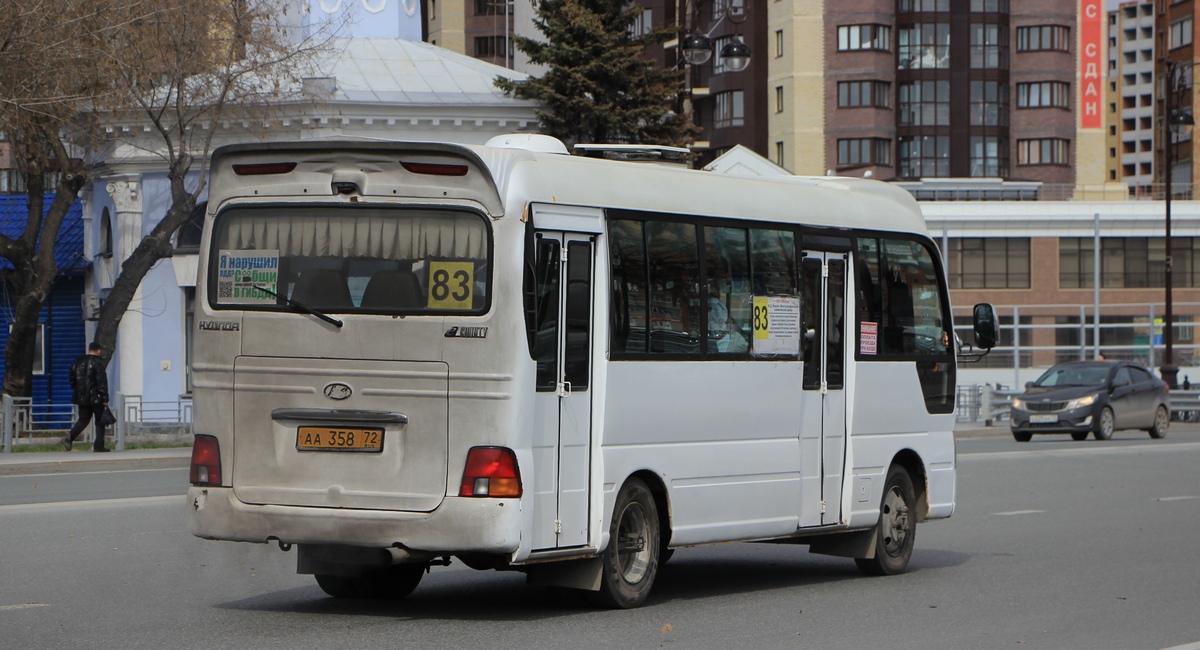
pixel 1073 376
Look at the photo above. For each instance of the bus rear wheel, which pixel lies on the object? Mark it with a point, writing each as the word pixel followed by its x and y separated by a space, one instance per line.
pixel 389 583
pixel 896 531
pixel 630 562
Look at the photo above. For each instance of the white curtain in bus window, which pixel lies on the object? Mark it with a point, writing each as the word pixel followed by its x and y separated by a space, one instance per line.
pixel 367 259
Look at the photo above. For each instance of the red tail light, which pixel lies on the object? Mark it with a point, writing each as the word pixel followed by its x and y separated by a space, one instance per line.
pixel 435 169
pixel 491 472
pixel 206 461
pixel 261 169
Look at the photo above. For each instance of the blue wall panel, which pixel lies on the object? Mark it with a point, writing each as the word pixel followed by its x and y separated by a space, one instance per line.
pixel 64 338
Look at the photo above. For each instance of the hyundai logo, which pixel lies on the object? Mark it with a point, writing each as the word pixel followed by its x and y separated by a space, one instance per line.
pixel 338 391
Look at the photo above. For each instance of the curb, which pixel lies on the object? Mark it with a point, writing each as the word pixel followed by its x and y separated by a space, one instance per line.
pixel 175 460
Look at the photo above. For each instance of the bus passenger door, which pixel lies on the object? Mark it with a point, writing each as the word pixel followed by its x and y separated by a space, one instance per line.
pixel 823 429
pixel 563 403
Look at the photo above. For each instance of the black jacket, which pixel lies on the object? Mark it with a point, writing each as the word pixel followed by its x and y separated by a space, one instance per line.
pixel 89 381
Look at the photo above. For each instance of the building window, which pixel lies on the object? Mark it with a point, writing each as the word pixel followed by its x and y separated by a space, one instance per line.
pixel 924 156
pixel 924 103
pixel 1128 262
pixel 489 47
pixel 491 7
pixel 864 151
pixel 729 109
pixel 1043 37
pixel 1181 32
pixel 924 45
pixel 864 37
pixel 778 99
pixel 1044 151
pixel 778 43
pixel 988 263
pixel 1042 94
pixel 853 94
pixel 989 103
pixel 989 46
pixel 989 6
pixel 989 157
pixel 779 153
pixel 39 348
pixel 924 5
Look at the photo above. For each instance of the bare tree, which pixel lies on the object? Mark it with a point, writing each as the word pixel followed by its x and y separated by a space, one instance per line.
pixel 181 71
pixel 44 76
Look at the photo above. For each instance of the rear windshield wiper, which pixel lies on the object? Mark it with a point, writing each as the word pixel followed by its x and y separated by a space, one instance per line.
pixel 301 307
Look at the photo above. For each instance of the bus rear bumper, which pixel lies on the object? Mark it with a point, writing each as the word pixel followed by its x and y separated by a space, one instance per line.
pixel 457 525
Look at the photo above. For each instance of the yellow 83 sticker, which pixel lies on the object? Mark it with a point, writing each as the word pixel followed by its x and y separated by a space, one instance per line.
pixel 451 284
pixel 762 325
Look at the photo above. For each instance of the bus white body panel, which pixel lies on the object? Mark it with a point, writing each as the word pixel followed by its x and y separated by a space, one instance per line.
pixel 420 302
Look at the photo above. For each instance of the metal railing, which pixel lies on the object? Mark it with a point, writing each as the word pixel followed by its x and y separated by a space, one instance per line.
pixel 23 422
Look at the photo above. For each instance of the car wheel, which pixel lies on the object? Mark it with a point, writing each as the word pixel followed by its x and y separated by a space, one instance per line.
pixel 1079 435
pixel 1162 420
pixel 1022 436
pixel 1105 424
pixel 630 562
pixel 896 531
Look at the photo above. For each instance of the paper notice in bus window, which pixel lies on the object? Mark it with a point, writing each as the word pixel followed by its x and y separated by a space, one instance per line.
pixel 239 272
pixel 776 325
pixel 868 338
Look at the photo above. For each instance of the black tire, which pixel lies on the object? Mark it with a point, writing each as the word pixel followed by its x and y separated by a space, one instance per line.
pixel 1022 436
pixel 1079 435
pixel 389 583
pixel 1105 424
pixel 630 562
pixel 1162 422
pixel 896 531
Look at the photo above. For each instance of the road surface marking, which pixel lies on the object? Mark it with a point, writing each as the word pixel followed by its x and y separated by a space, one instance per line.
pixel 92 504
pixel 6 608
pixel 1184 498
pixel 1018 512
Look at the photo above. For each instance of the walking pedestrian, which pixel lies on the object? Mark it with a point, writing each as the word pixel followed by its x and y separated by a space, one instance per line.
pixel 89 381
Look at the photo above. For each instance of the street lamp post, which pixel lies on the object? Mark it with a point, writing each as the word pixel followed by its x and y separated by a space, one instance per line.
pixel 1175 120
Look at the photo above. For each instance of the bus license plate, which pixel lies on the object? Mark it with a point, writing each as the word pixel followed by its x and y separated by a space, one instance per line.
pixel 339 439
pixel 1043 419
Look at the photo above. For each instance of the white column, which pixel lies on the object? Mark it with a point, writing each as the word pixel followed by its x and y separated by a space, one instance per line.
pixel 127 201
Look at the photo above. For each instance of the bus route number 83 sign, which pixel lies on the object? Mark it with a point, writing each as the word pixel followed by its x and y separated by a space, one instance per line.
pixel 451 285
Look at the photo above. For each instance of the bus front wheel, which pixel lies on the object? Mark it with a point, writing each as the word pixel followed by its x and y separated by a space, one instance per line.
pixel 630 562
pixel 389 583
pixel 896 531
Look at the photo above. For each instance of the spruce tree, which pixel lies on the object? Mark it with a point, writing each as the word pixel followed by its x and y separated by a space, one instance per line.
pixel 599 87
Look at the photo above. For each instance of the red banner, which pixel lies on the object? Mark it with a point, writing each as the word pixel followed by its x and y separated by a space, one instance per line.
pixel 1091 63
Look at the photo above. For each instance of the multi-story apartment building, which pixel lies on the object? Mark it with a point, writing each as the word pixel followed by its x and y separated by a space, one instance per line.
pixel 1130 106
pixel 927 89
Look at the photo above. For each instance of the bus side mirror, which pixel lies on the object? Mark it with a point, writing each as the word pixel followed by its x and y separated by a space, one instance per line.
pixel 987 327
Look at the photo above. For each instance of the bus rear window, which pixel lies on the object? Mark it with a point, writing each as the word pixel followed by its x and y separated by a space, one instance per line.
pixel 350 259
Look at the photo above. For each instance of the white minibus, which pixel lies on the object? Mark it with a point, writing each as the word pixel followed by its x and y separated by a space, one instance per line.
pixel 410 353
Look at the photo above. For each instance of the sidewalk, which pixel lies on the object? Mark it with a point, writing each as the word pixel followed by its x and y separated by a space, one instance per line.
pixel 58 462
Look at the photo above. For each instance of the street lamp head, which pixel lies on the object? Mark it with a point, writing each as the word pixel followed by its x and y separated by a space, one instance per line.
pixel 697 48
pixel 735 56
pixel 1181 121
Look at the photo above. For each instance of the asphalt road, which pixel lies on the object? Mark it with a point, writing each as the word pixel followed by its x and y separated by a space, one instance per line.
pixel 1055 544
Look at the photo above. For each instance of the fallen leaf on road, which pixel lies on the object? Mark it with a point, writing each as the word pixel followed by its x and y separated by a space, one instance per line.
pixel 666 629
